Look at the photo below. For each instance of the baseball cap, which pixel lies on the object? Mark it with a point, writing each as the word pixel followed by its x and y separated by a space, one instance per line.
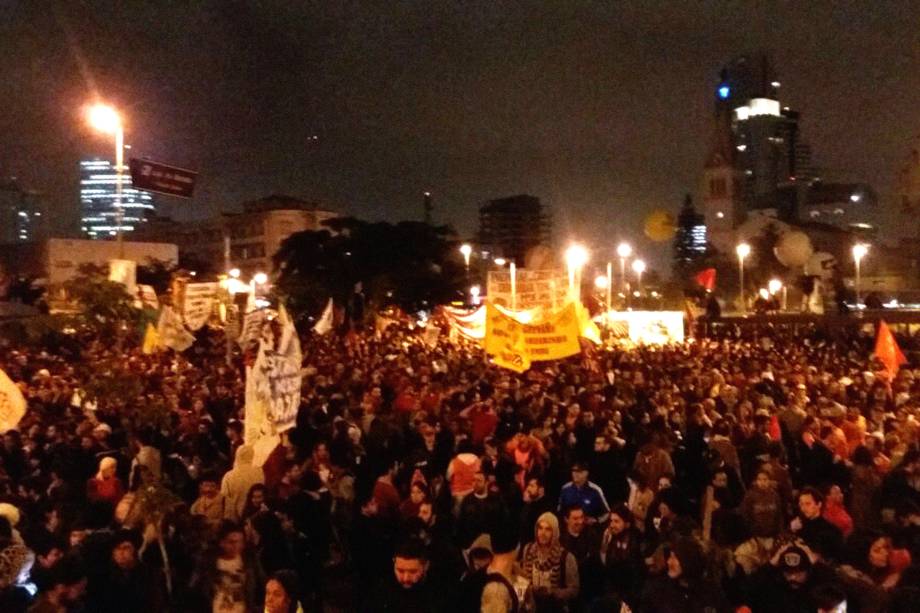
pixel 794 560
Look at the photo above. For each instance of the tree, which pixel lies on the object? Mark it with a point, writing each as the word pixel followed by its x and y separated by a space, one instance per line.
pixel 409 264
pixel 103 306
pixel 763 264
pixel 157 274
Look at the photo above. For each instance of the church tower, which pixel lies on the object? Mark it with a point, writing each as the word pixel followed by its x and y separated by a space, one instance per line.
pixel 723 207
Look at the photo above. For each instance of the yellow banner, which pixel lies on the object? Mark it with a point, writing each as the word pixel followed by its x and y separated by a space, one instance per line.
pixel 515 345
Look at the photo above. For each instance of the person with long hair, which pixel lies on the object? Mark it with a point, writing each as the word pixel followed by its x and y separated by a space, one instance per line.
pixel 621 553
pixel 282 592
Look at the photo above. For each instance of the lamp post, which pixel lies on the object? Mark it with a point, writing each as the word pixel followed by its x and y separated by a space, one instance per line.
pixel 466 250
pixel 624 251
pixel 743 250
pixel 859 252
pixel 106 119
pixel 638 267
pixel 512 269
pixel 576 256
pixel 609 286
pixel 774 285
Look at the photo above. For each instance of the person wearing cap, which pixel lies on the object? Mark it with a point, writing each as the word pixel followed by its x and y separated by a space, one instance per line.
pixel 105 487
pixel 585 494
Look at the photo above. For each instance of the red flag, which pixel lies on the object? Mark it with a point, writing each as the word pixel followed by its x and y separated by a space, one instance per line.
pixel 887 350
pixel 707 279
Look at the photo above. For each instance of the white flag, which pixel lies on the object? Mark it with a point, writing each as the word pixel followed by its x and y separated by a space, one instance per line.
pixel 171 331
pixel 199 303
pixel 324 324
pixel 273 384
pixel 12 403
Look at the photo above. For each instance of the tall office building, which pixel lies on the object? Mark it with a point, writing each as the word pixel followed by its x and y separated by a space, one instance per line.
pixel 99 200
pixel 768 152
pixel 511 227
pixel 20 213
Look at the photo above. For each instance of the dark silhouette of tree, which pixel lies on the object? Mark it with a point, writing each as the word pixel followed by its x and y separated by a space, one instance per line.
pixel 409 264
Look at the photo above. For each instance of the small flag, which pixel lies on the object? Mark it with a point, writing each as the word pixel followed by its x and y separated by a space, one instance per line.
pixel 707 279
pixel 887 350
pixel 151 339
pixel 324 324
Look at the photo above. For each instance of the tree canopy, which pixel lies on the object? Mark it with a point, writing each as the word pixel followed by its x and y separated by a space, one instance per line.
pixel 409 264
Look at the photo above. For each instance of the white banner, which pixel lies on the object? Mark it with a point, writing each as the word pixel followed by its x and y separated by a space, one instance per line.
pixel 199 303
pixel 273 384
pixel 12 403
pixel 146 298
pixel 649 327
pixel 252 326
pixel 171 331
pixel 124 272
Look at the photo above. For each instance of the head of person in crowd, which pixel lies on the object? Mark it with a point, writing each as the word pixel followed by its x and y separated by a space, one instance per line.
pixel 811 503
pixel 685 560
pixel 579 474
pixel 621 519
pixel 231 540
pixel 795 564
pixel 282 592
pixel 124 549
pixel 410 563
pixel 575 519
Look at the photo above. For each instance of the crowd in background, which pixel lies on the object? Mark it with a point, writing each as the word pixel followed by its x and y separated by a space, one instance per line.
pixel 771 470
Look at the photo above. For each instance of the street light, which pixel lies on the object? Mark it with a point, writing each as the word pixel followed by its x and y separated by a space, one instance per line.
pixel 743 250
pixel 859 252
pixel 474 294
pixel 624 250
pixel 466 250
pixel 260 278
pixel 235 273
pixel 601 282
pixel 500 261
pixel 774 285
pixel 576 256
pixel 638 267
pixel 104 118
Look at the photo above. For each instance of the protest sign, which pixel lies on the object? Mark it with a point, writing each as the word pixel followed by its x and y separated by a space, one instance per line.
pixel 199 303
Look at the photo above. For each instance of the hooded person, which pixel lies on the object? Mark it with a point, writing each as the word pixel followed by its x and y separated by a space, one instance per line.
pixel 551 570
pixel 238 481
pixel 105 487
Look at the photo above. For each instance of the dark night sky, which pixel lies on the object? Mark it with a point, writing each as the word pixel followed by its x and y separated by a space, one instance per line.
pixel 599 108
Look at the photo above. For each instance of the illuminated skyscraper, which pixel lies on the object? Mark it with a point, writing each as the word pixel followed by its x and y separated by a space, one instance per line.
pixel 99 200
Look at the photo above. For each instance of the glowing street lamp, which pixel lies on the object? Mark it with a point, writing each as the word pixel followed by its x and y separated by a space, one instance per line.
pixel 638 267
pixel 260 278
pixel 105 119
pixel 601 282
pixel 500 261
pixel 624 250
pixel 466 250
pixel 743 250
pixel 235 273
pixel 474 294
pixel 576 256
pixel 774 285
pixel 859 252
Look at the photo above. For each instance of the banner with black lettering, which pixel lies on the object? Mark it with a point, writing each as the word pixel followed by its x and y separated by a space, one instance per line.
pixel 199 303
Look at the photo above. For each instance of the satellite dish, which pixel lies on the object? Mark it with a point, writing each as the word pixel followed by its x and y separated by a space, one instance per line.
pixel 793 249
pixel 660 226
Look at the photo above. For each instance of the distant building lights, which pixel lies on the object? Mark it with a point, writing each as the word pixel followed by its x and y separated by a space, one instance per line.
pixel 724 91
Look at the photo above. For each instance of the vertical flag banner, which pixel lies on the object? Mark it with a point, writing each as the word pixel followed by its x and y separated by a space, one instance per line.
pixel 151 340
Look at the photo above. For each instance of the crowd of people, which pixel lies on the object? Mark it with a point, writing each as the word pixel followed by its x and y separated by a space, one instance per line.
pixel 770 470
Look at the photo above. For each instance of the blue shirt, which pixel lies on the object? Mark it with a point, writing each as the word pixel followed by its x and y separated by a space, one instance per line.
pixel 589 497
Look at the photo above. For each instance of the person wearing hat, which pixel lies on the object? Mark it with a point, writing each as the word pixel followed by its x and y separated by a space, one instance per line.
pixel 683 588
pixel 105 487
pixel 551 570
pixel 585 494
pixel 787 584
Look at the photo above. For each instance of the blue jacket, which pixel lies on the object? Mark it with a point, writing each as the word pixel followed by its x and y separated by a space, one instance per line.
pixel 589 497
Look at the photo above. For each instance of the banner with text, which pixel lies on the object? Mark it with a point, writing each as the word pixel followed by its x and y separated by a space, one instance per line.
pixel 552 337
pixel 546 288
pixel 199 303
